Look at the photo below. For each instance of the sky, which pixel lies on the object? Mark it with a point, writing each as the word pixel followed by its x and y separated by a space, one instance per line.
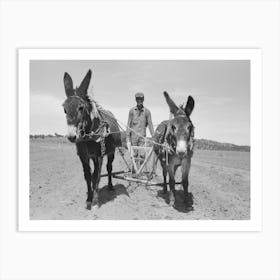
pixel 220 88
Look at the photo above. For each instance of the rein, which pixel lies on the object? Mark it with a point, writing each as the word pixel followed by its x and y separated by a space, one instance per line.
pixel 103 130
pixel 97 134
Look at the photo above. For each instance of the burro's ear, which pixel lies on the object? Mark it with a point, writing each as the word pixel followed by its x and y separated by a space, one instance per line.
pixel 172 106
pixel 189 106
pixel 82 89
pixel 68 85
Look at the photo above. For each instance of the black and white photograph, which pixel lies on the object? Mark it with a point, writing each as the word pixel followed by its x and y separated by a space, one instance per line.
pixel 140 139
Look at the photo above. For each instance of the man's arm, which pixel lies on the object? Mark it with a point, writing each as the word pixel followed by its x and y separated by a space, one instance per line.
pixel 128 131
pixel 150 123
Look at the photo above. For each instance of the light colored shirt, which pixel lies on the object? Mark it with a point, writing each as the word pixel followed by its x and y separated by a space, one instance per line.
pixel 138 120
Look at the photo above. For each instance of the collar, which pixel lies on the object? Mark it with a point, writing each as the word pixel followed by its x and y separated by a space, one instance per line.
pixel 136 108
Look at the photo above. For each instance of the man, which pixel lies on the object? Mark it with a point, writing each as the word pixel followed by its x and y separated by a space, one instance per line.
pixel 139 118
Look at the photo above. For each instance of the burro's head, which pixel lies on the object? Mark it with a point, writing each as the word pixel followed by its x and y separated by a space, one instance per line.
pixel 180 128
pixel 77 107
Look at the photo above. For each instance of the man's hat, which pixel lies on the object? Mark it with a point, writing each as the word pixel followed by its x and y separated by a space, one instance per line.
pixel 139 95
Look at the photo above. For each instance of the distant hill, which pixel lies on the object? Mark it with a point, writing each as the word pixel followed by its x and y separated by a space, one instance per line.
pixel 204 144
pixel 200 144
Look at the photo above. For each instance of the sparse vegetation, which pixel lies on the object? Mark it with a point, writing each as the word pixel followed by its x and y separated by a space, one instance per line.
pixel 43 136
pixel 58 135
pixel 200 144
pixel 204 144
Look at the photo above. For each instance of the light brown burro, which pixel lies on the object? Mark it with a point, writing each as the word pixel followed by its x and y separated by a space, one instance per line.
pixel 178 135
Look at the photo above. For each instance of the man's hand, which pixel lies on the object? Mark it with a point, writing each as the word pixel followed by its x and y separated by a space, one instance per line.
pixel 128 143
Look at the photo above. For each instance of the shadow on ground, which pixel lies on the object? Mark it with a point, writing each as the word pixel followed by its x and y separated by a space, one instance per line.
pixel 106 195
pixel 180 204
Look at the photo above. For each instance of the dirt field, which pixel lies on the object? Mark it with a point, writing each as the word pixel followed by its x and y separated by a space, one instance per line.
pixel 219 182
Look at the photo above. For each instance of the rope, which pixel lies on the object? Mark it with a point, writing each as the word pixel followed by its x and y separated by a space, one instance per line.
pixel 102 133
pixel 166 147
pixel 97 106
pixel 118 122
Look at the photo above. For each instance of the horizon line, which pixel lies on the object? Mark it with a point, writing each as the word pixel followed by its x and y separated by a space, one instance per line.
pixel 63 135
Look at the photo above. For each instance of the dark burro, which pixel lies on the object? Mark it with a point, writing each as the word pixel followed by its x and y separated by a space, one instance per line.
pixel 95 132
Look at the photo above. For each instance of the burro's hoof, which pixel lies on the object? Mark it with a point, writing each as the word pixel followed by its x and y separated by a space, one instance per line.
pixel 189 208
pixel 171 199
pixel 189 202
pixel 95 201
pixel 88 205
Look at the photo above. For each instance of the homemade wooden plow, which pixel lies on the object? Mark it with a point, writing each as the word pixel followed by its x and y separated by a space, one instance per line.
pixel 140 170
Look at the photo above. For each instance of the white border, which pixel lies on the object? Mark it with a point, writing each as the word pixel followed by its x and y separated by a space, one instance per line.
pixel 254 224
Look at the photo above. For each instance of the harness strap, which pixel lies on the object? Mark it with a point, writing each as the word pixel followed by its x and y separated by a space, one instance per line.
pixel 168 147
pixel 102 144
